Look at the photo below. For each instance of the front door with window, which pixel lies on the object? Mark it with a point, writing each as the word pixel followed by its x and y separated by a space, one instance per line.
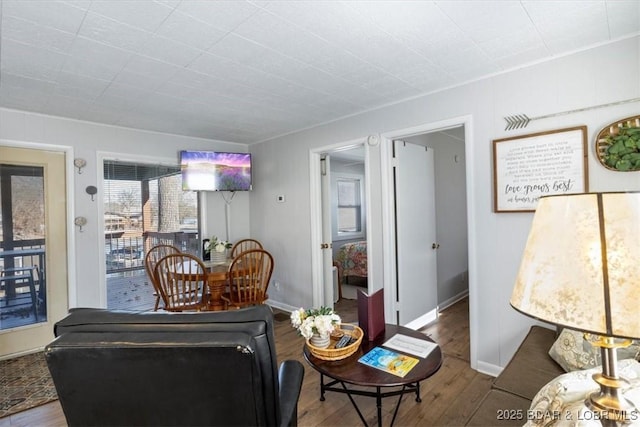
pixel 33 248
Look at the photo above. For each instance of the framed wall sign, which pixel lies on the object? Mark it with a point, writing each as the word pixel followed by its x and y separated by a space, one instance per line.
pixel 528 167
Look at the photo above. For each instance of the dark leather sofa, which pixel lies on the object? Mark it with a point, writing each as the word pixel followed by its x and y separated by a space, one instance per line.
pixel 161 369
pixel 508 401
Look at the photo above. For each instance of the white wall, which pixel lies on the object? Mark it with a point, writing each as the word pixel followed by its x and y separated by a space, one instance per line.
pixel 602 75
pixel 94 142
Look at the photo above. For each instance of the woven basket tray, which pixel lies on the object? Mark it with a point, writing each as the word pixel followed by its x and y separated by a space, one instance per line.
pixel 332 353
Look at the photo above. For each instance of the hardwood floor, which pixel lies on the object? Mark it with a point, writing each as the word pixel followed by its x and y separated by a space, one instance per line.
pixel 448 397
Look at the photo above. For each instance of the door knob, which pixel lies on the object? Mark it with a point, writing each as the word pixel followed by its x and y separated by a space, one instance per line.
pixel 435 245
pixel 324 246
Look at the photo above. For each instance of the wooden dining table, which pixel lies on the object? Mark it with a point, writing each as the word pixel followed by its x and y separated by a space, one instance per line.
pixel 217 281
pixel 217 278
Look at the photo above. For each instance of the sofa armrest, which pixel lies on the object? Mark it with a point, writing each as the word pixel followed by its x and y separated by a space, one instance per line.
pixel 290 376
pixel 531 367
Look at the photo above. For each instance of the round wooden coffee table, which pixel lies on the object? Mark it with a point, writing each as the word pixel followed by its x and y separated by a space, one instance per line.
pixel 350 371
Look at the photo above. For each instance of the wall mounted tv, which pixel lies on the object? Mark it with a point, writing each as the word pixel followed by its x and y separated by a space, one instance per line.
pixel 215 171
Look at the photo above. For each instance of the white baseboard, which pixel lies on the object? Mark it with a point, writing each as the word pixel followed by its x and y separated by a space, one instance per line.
pixel 454 299
pixel 489 369
pixel 284 307
pixel 423 320
pixel 432 316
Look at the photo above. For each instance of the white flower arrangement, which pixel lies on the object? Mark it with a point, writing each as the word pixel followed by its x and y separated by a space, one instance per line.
pixel 216 245
pixel 322 321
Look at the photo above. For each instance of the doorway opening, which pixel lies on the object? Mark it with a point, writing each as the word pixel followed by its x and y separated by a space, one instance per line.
pixel 144 205
pixel 339 212
pixel 381 229
pixel 450 211
pixel 456 272
pixel 348 203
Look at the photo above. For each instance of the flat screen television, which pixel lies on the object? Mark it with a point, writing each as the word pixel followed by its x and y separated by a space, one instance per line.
pixel 215 171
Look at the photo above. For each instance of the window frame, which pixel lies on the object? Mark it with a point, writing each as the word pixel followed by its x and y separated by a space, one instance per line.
pixel 347 235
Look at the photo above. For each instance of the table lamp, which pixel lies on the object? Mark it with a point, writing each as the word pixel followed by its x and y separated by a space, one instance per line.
pixel 581 269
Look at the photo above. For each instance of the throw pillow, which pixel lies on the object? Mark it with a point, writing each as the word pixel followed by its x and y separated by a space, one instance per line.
pixel 572 352
pixel 561 401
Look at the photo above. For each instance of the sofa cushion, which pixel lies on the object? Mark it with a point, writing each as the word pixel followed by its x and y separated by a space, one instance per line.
pixel 574 353
pixel 531 367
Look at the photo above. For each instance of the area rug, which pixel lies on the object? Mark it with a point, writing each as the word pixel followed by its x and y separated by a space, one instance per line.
pixel 25 383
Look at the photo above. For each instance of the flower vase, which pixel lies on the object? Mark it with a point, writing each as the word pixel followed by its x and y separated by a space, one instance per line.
pixel 218 257
pixel 320 341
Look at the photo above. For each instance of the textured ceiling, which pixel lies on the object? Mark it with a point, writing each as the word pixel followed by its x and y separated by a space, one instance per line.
pixel 247 71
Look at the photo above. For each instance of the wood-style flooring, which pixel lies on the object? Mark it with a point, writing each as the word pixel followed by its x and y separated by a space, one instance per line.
pixel 448 397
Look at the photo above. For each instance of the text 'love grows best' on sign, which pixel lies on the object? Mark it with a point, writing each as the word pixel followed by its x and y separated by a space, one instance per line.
pixel 532 166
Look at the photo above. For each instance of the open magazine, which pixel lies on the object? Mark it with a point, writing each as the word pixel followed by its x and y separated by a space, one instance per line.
pixel 406 344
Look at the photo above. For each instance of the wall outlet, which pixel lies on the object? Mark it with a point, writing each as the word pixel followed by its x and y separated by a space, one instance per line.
pixel 276 285
pixel 280 198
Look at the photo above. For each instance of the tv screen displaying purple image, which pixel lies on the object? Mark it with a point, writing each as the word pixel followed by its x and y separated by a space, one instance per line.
pixel 215 171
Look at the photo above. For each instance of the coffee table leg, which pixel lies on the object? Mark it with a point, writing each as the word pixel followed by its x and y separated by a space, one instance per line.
pixel 407 388
pixel 355 405
pixel 379 405
pixel 395 412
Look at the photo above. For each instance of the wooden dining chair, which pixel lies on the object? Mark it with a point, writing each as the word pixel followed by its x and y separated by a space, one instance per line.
pixel 182 281
pixel 151 260
pixel 248 276
pixel 244 245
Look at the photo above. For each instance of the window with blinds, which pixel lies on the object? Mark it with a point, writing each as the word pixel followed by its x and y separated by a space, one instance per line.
pixel 348 217
pixel 143 197
pixel 349 207
pixel 144 205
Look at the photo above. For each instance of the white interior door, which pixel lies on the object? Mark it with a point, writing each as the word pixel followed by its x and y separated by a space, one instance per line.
pixel 416 232
pixel 327 254
pixel 38 216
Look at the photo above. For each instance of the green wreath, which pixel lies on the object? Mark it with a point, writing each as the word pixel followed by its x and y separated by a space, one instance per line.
pixel 623 149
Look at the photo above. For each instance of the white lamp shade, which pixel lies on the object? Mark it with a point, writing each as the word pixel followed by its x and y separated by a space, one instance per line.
pixel 581 264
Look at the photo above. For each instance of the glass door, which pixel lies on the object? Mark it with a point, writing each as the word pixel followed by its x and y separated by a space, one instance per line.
pixel 144 205
pixel 33 249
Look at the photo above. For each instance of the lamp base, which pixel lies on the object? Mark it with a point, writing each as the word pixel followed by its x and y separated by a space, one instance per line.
pixel 611 408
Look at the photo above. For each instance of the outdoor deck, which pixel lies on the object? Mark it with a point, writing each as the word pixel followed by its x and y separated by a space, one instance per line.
pixel 130 290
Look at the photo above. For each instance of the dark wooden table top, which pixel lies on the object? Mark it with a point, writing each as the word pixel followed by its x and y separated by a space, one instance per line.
pixel 351 371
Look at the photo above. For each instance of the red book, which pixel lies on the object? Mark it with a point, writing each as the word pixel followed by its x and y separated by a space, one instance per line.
pixel 371 314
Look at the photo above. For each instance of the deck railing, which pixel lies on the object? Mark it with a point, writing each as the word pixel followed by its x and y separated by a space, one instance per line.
pixel 122 253
pixel 17 260
pixel 127 253
pixel 23 291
